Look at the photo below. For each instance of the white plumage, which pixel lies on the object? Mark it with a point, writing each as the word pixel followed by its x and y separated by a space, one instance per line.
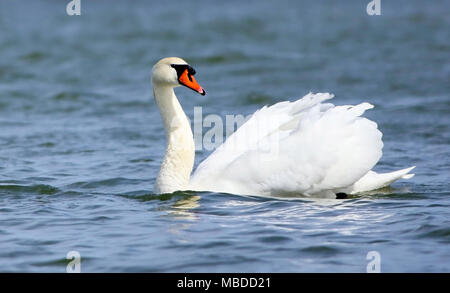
pixel 315 149
pixel 307 147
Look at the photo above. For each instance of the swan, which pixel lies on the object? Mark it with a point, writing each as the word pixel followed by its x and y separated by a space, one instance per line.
pixel 322 150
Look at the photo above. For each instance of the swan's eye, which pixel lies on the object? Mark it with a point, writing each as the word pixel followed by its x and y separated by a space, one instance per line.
pixel 180 68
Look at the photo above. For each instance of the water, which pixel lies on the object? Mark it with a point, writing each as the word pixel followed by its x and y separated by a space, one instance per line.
pixel 81 139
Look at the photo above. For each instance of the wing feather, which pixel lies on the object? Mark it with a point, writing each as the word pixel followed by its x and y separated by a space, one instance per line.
pixel 302 147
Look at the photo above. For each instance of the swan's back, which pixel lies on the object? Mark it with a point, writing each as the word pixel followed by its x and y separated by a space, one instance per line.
pixel 303 147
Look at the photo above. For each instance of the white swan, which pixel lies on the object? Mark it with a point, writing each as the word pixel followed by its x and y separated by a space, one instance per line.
pixel 320 149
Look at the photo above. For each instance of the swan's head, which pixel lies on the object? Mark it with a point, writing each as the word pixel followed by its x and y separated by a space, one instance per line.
pixel 174 71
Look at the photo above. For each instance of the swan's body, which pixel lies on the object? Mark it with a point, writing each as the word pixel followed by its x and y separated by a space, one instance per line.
pixel 306 147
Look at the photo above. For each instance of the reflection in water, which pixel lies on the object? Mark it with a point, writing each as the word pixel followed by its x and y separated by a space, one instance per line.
pixel 182 208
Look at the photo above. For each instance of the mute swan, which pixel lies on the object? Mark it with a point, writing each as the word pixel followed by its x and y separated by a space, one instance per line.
pixel 322 150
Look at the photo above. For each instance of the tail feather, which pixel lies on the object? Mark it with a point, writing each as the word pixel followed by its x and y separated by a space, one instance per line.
pixel 373 180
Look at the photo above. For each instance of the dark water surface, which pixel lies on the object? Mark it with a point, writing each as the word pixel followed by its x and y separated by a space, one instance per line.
pixel 81 139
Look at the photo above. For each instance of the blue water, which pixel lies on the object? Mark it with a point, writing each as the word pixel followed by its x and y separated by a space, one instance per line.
pixel 81 139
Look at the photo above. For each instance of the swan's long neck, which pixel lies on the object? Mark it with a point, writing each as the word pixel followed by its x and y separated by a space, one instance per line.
pixel 178 161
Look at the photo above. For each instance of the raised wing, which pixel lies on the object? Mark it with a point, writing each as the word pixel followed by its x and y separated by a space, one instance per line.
pixel 291 148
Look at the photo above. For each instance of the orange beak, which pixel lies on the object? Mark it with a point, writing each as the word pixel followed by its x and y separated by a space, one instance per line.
pixel 189 81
